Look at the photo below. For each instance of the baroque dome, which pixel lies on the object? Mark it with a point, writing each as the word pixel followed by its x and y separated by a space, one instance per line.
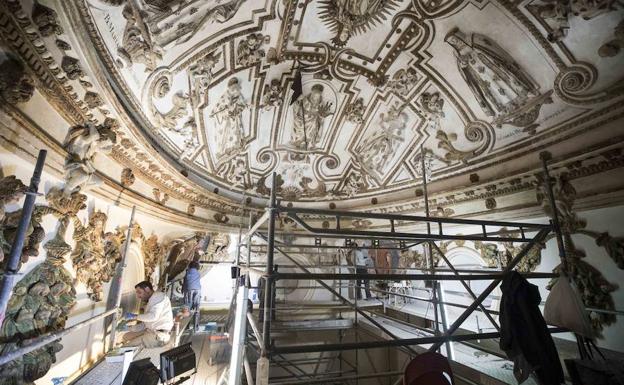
pixel 342 98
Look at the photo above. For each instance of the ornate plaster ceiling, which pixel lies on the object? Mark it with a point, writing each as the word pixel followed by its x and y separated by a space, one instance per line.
pixel 470 84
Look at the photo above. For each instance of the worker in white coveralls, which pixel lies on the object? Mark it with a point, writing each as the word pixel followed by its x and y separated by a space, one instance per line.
pixel 155 324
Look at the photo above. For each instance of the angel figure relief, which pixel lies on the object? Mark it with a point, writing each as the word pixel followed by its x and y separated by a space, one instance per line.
pixel 201 76
pixel 377 149
pixel 250 49
pixel 82 144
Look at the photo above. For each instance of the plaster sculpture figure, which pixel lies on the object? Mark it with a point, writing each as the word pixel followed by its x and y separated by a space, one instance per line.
pixel 374 152
pixel 354 112
pixel 272 96
pixel 228 113
pixel 494 78
pixel 430 106
pixel 503 90
pixel 220 13
pixel 292 172
pixel 89 255
pixel 82 144
pixel 171 118
pixel 137 45
pixel 201 77
pixel 250 50
pixel 403 81
pixel 354 184
pixel 615 45
pixel 309 116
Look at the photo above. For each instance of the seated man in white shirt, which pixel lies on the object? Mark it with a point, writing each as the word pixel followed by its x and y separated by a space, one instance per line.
pixel 155 324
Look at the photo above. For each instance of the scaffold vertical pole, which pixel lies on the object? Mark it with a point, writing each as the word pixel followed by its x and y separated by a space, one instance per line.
pixel 268 287
pixel 436 291
pixel 545 156
pixel 240 332
pixel 12 263
pixel 116 288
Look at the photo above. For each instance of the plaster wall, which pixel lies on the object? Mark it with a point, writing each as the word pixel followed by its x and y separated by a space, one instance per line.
pixel 217 287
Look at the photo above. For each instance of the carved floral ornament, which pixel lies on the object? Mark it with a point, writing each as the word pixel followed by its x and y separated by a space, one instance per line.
pixel 44 297
pixel 16 85
pixel 595 290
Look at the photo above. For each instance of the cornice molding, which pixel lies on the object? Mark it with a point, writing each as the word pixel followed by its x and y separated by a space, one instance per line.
pixel 16 140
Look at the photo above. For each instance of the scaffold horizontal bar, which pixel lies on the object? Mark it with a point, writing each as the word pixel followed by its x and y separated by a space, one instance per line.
pixel 413 277
pixel 313 348
pixel 349 233
pixel 411 218
pixel 341 379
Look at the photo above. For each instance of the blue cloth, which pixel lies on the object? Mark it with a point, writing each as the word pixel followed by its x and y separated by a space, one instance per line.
pixel 129 316
pixel 192 280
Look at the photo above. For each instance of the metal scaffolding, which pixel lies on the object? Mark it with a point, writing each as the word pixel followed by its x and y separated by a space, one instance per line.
pixel 387 227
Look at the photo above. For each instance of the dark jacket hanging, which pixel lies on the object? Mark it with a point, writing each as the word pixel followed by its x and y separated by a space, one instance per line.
pixel 524 334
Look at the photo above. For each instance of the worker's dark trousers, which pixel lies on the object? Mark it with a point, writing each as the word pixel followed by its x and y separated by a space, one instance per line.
pixel 362 270
pixel 192 299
